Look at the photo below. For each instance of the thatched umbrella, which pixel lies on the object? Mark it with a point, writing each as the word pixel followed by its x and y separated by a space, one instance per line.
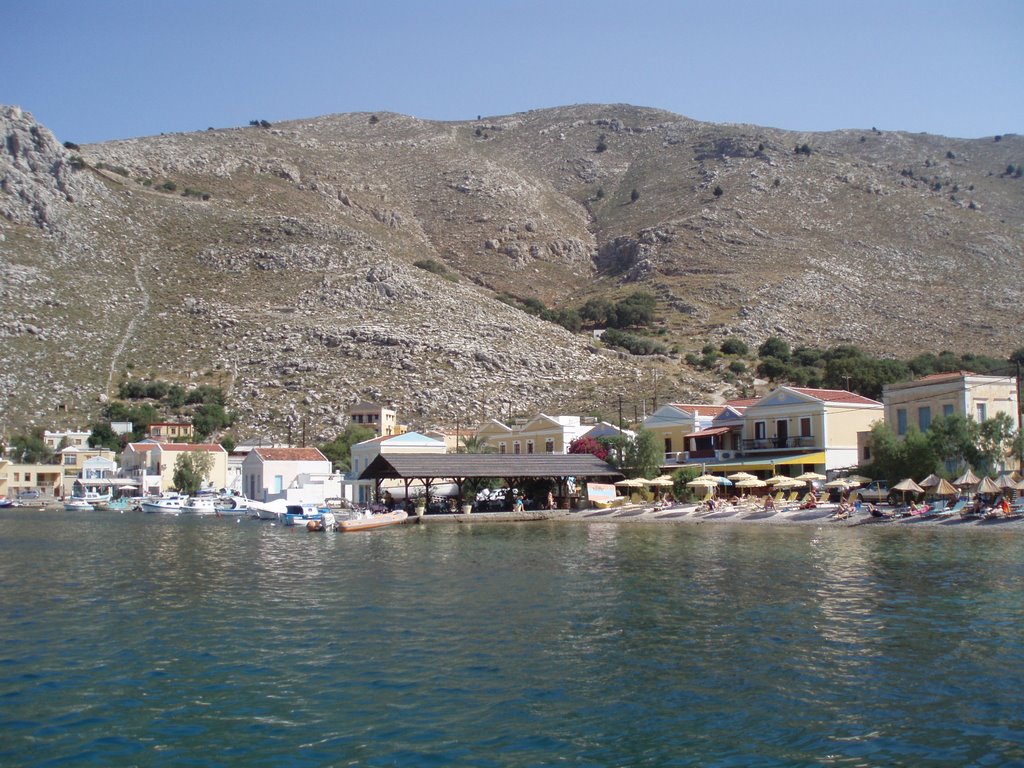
pixel 738 476
pixel 907 486
pixel 987 486
pixel 931 481
pixel 944 488
pixel 967 478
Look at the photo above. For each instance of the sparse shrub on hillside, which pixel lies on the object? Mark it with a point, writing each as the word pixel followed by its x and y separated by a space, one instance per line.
pixel 600 193
pixel 189 192
pixel 997 138
pixel 633 343
pixel 77 163
pixel 168 186
pixel 374 119
pixel 718 192
pixel 738 367
pixel 634 310
pixel 634 195
pixel 601 144
pixel 734 346
pixel 437 268
pixel 259 123
pixel 803 149
pixel 950 155
pixel 479 131
pixel 119 170
pixel 71 145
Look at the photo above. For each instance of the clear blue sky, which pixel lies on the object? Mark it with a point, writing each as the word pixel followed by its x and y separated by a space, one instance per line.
pixel 93 70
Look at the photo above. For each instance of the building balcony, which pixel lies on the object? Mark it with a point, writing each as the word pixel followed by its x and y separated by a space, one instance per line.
pixel 778 443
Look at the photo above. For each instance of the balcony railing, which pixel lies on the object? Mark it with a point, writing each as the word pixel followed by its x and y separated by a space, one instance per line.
pixel 777 443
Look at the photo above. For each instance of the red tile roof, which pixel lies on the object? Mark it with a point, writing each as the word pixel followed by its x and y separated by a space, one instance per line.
pixel 200 447
pixel 289 454
pixel 699 410
pixel 835 396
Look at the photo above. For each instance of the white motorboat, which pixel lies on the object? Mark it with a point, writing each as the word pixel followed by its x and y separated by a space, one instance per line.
pixel 370 520
pixel 200 504
pixel 233 505
pixel 167 504
pixel 75 504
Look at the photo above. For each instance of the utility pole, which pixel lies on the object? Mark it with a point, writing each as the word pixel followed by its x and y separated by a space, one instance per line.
pixel 1020 415
pixel 620 413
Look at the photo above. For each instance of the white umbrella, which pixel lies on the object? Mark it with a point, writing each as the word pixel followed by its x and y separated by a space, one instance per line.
pixel 775 479
pixel 838 483
pixel 633 482
pixel 791 482
pixel 811 476
pixel 663 480
pixel 698 482
pixel 751 482
pixel 741 476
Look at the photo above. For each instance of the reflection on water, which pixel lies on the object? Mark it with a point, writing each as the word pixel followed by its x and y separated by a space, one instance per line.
pixel 140 639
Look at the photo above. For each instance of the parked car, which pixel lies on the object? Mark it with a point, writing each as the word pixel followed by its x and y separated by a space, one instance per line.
pixel 28 494
pixel 877 492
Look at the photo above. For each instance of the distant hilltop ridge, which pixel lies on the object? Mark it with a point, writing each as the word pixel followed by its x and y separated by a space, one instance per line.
pixel 309 264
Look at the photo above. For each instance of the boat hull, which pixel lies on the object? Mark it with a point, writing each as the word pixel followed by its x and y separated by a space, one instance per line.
pixel 369 522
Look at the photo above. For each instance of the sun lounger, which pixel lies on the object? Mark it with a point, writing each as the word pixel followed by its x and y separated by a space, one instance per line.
pixel 954 510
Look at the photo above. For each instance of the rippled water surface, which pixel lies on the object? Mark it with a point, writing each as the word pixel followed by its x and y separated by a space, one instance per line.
pixel 145 640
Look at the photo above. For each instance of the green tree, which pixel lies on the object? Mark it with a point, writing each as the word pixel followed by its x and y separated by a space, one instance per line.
pixel 338 450
pixel 209 418
pixel 192 470
pixel 734 346
pixel 954 439
pixel 103 436
pixel 995 441
pixel 642 455
pixel 474 444
pixel 775 347
pixel 29 449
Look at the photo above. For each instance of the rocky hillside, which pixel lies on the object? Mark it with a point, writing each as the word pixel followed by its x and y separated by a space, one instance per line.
pixel 280 261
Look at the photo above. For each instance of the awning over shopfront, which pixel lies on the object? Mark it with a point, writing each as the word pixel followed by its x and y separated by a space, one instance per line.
pixel 766 462
pixel 707 432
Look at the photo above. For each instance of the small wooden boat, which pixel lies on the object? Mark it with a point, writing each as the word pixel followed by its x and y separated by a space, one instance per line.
pixel 370 520
pixel 78 505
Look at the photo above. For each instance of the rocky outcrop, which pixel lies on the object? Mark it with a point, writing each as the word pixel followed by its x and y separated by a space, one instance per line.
pixel 39 178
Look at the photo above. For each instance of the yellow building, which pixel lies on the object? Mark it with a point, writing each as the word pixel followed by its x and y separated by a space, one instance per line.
pixel 166 431
pixel 151 464
pixel 541 434
pixel 46 479
pixel 674 423
pixel 918 403
pixel 383 421
pixel 815 429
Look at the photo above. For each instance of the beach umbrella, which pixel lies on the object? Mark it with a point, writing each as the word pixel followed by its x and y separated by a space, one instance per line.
pixel 699 482
pixel 837 483
pixel 908 485
pixel 663 480
pixel 633 482
pixel 858 479
pixel 945 488
pixel 737 476
pixel 811 476
pixel 776 479
pixel 791 482
pixel 723 480
pixel 967 478
pixel 987 486
pixel 708 476
pixel 1006 480
pixel 751 482
pixel 931 481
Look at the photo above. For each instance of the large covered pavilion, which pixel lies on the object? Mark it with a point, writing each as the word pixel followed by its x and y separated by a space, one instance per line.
pixel 514 469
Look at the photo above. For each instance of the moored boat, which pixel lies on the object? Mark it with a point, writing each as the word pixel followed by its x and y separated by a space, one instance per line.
pixel 78 505
pixel 369 520
pixel 168 503
pixel 200 504
pixel 300 514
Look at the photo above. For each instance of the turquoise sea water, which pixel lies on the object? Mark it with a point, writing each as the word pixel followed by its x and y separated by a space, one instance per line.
pixel 144 640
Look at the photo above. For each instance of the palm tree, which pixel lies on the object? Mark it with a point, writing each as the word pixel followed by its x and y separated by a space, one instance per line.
pixel 474 444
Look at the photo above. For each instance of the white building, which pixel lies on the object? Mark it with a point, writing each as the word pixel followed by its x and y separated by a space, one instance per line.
pixel 361 491
pixel 297 475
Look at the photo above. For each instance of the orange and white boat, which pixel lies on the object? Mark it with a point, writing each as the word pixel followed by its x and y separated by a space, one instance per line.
pixel 370 520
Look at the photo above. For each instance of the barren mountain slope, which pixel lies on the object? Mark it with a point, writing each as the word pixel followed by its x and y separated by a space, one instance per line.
pixel 285 270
